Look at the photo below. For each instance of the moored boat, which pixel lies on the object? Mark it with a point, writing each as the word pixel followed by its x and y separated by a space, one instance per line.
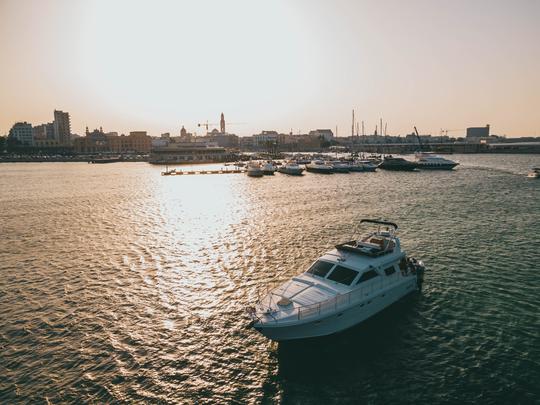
pixel 362 166
pixel 343 288
pixel 340 167
pixel 254 170
pixel 318 166
pixel 268 168
pixel 291 167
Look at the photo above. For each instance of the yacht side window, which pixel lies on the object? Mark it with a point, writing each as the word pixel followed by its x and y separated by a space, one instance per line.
pixel 389 270
pixel 320 268
pixel 342 275
pixel 368 275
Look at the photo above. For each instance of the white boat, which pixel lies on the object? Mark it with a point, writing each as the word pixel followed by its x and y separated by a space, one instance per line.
pixel 428 160
pixel 362 166
pixel 343 288
pixel 291 167
pixel 254 169
pixel 339 166
pixel 318 166
pixel 268 168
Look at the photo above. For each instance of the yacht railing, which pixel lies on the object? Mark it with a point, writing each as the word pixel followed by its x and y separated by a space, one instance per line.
pixel 346 300
pixel 341 300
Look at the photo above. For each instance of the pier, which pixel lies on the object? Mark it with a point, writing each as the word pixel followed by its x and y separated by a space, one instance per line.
pixel 175 172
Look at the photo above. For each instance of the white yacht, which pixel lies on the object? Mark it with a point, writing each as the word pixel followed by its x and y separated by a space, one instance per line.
pixel 362 166
pixel 342 288
pixel 291 167
pixel 254 169
pixel 340 167
pixel 268 168
pixel 318 166
pixel 534 173
pixel 428 160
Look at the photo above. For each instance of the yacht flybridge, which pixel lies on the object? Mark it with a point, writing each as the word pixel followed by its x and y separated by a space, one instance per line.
pixel 342 288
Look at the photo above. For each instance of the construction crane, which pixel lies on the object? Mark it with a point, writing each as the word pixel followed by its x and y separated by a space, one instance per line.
pixel 208 125
pixel 418 137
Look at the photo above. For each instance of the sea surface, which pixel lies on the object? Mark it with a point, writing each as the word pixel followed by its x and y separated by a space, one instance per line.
pixel 119 285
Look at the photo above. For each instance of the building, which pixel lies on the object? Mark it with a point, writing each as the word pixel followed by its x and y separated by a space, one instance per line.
pixel 43 132
pixel 188 152
pixel 62 127
pixel 135 142
pixel 478 132
pixel 22 133
pixel 46 143
pixel 222 139
pixel 99 142
pixel 265 138
pixel 325 134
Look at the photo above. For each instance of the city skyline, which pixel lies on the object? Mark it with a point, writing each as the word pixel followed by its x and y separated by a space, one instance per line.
pixel 279 66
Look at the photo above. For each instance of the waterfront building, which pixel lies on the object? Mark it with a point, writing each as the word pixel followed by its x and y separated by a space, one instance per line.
pixel 47 143
pixel 325 134
pixel 43 132
pixel 99 142
pixel 265 138
pixel 188 152
pixel 22 132
pixel 62 127
pixel 222 139
pixel 478 132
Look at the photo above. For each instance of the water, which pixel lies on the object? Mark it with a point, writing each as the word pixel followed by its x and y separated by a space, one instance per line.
pixel 120 285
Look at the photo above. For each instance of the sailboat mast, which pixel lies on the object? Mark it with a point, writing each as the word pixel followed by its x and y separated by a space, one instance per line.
pixel 352 127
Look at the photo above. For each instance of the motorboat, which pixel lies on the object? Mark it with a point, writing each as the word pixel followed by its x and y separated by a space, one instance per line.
pixel 343 288
pixel 168 172
pixel 534 173
pixel 430 161
pixel 268 168
pixel 362 166
pixel 291 167
pixel 319 166
pixel 303 161
pixel 339 166
pixel 254 169
pixel 397 163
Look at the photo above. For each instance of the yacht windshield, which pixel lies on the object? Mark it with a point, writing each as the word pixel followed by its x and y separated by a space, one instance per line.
pixel 368 275
pixel 320 268
pixel 343 275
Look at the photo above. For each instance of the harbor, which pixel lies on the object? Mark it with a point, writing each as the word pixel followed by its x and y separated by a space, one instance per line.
pixel 152 275
pixel 270 203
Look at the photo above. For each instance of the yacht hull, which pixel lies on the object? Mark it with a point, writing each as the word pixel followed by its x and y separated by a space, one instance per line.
pixel 292 172
pixel 342 319
pixel 319 170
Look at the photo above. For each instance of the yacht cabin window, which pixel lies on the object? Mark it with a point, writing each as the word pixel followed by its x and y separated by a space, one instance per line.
pixel 342 275
pixel 389 270
pixel 320 268
pixel 368 275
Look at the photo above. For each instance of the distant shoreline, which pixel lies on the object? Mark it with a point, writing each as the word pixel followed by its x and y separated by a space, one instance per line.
pixel 88 159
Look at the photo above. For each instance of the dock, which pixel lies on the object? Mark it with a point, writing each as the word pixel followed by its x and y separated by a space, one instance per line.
pixel 175 172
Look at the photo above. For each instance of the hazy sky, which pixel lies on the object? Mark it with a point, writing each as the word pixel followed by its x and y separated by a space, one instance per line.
pixel 157 65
